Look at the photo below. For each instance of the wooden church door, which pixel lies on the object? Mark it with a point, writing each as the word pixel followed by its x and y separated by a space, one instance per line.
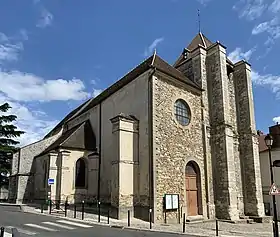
pixel 192 191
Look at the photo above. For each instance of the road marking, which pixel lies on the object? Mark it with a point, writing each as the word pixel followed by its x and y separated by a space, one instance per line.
pixel 23 231
pixel 74 223
pixel 40 227
pixel 59 225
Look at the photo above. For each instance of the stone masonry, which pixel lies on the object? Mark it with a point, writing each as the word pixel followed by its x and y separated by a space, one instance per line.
pixel 135 151
pixel 21 187
pixel 175 145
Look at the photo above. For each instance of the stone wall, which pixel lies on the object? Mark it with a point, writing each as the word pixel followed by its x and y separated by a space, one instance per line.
pixel 24 160
pixel 4 194
pixel 249 152
pixel 175 145
pixel 200 77
pixel 187 69
pixel 222 134
pixel 237 161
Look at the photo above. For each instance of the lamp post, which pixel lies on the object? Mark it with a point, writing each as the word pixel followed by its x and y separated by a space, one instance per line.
pixel 269 141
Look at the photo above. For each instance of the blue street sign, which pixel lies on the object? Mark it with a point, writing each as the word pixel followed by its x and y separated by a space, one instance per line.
pixel 50 181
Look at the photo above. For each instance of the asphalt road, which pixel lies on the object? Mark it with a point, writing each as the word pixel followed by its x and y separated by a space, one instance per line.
pixel 50 226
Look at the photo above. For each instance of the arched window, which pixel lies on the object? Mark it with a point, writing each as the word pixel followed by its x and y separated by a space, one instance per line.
pixel 182 112
pixel 80 181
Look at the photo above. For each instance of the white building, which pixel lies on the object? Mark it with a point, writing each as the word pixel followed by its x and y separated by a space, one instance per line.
pixel 265 172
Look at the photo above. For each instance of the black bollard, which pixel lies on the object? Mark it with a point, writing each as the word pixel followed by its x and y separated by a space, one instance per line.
pixel 150 218
pixel 184 223
pixel 50 211
pixel 128 218
pixel 108 217
pixel 179 216
pixel 217 228
pixel 99 211
pixel 75 211
pixel 42 207
pixel 83 209
pixel 2 232
pixel 65 207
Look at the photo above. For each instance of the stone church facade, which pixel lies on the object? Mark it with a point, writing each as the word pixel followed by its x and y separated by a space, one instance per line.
pixel 187 129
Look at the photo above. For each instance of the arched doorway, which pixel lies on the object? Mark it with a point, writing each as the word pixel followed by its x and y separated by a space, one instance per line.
pixel 193 189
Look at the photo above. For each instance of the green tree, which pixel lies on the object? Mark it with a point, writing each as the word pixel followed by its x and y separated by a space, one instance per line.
pixel 8 132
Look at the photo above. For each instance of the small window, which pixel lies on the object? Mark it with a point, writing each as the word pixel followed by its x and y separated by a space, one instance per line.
pixel 182 112
pixel 80 181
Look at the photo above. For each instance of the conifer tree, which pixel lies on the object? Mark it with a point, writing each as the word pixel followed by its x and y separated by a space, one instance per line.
pixel 8 132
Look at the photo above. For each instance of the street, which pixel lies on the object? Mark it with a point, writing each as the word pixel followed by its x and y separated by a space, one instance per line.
pixel 29 224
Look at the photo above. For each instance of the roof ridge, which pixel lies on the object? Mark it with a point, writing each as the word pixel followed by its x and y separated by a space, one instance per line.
pixel 202 39
pixel 154 57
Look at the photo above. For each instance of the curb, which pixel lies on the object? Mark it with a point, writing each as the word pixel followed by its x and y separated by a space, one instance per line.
pixel 116 226
pixel 20 206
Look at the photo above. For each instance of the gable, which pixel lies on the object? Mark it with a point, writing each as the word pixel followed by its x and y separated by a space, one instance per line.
pixel 79 137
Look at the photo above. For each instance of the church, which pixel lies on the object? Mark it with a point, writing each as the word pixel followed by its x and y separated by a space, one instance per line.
pixel 164 139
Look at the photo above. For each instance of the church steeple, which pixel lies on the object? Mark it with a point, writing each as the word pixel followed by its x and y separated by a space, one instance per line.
pixel 199 39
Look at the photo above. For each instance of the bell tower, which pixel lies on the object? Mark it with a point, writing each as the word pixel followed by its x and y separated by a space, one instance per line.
pixel 229 166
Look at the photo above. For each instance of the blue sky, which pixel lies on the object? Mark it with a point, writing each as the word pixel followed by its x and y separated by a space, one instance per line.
pixel 56 54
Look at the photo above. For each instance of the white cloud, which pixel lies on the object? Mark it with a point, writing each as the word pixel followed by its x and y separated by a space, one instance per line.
pixel 46 19
pixel 10 47
pixel 250 9
pixel 10 52
pixel 152 47
pixel 21 86
pixel 276 119
pixel 35 124
pixel 267 80
pixel 3 37
pixel 271 27
pixel 96 92
pixel 275 6
pixel 238 55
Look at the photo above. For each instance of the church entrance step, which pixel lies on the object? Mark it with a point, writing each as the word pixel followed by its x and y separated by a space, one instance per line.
pixel 194 219
pixel 263 219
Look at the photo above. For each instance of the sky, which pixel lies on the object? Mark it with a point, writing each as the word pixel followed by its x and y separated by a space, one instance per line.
pixel 55 54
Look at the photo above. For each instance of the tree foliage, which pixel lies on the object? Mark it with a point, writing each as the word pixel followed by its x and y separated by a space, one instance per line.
pixel 8 132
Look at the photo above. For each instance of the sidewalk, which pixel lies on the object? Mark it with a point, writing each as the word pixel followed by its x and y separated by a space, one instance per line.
pixel 197 229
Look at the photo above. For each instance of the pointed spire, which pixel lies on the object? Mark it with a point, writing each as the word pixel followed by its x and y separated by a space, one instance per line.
pixel 199 22
pixel 199 39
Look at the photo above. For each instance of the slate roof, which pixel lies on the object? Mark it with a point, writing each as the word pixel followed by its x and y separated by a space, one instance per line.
pixel 60 124
pixel 152 62
pixel 85 140
pixel 199 39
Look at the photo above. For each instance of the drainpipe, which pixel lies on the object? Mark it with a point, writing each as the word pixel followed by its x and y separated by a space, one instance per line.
pixel 151 147
pixel 205 159
pixel 99 160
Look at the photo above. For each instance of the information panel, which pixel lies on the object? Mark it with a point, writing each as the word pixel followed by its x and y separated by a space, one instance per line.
pixel 171 201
